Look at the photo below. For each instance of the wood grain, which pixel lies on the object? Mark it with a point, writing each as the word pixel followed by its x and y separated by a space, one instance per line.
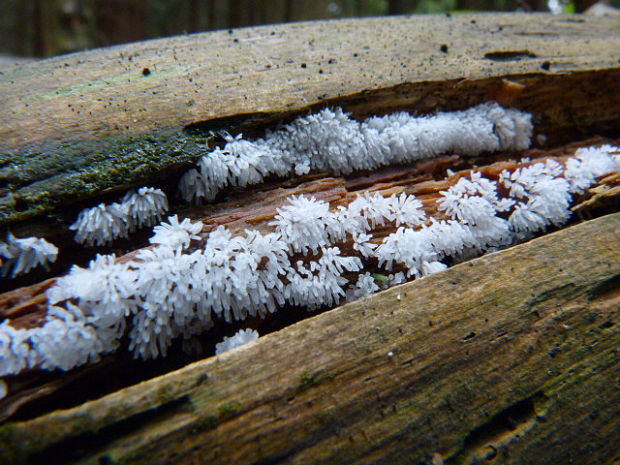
pixel 270 69
pixel 512 357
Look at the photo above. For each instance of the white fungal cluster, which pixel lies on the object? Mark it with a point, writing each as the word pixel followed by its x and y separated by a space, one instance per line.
pixel 330 141
pixel 167 291
pixel 314 256
pixel 241 337
pixel 174 234
pixel 101 224
pixel 326 141
pixel 19 256
pixel 66 340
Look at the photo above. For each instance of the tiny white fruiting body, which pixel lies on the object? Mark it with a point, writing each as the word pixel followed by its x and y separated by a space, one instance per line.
pixel 241 337
pixel 101 224
pixel 19 256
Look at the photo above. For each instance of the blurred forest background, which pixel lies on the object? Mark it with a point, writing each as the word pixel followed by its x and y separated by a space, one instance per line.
pixel 41 28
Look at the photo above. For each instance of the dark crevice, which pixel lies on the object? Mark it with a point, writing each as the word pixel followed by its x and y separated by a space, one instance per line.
pixel 232 124
pixel 482 442
pixel 572 20
pixel 604 288
pixel 84 444
pixel 563 292
pixel 509 55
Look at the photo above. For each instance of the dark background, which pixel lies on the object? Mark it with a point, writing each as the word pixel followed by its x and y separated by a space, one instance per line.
pixel 40 28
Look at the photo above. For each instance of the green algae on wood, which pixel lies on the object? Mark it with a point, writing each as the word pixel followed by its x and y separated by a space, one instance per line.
pixel 35 184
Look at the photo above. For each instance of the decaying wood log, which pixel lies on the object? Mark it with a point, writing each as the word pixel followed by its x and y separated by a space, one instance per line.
pixel 75 126
pixel 512 357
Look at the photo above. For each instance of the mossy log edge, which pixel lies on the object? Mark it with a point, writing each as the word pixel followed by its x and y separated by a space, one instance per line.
pixel 511 357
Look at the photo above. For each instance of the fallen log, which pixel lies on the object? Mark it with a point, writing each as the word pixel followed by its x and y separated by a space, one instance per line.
pixel 507 358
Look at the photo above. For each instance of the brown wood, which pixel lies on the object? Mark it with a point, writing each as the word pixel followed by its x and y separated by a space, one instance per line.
pixel 408 50
pixel 510 357
pixel 258 70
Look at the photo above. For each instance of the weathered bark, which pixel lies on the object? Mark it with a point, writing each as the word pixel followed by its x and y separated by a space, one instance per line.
pixel 511 357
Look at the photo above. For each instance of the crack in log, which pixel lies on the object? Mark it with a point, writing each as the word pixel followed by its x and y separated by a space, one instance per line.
pixel 75 447
pixel 510 55
pixel 232 124
pixel 563 293
pixel 604 288
pixel 486 441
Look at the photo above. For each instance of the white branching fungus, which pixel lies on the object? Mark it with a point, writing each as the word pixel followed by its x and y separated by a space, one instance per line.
pixel 364 286
pixel 544 197
pixel 474 201
pixel 412 248
pixel 67 339
pixel 19 256
pixel 362 243
pixel 306 224
pixel 474 205
pixel 101 224
pixel 590 163
pixel 315 255
pixel 320 282
pixel 175 234
pixel 104 290
pixel 241 337
pixel 144 207
pixel 331 141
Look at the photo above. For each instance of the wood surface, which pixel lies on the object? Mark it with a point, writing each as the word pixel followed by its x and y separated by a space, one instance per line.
pixel 511 358
pixel 78 126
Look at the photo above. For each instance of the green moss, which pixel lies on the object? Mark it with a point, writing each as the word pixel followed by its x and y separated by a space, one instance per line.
pixel 206 423
pixel 308 380
pixel 380 277
pixel 227 410
pixel 40 182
